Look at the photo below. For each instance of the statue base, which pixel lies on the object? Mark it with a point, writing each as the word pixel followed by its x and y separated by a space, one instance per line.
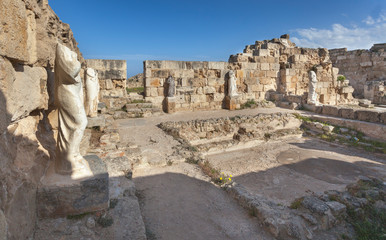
pixel 170 104
pixel 61 195
pixel 232 103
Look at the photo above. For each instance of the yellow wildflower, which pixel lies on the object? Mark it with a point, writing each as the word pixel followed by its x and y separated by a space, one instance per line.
pixel 230 179
pixel 220 178
pixel 230 175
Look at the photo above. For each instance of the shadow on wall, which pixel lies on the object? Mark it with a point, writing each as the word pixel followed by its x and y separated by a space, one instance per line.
pixel 25 149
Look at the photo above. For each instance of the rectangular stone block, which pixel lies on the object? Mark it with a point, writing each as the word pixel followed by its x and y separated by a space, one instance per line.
pixel 264 66
pixel 98 121
pixel 109 69
pixel 61 196
pixel 199 65
pixel 262 52
pixel 368 116
pixel 172 64
pixel 152 82
pixel 152 64
pixel 170 104
pixel 217 65
pixel 14 36
pixel 272 74
pixel 231 103
pixel 347 113
pixel 330 110
pixel 160 73
pixel 382 117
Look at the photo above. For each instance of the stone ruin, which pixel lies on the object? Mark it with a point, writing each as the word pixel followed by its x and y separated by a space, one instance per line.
pixel 366 70
pixel 275 70
pixel 268 70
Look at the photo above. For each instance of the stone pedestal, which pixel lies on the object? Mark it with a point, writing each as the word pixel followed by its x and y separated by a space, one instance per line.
pixel 232 103
pixel 170 104
pixel 60 195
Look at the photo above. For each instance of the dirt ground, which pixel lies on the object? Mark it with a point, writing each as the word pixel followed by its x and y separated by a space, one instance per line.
pixel 179 202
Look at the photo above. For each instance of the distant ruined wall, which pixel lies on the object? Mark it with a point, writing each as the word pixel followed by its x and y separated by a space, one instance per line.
pixel 361 66
pixel 199 85
pixel 29 32
pixel 112 79
pixel 264 70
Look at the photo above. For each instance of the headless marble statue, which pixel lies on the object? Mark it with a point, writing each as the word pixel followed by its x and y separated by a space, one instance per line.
pixel 92 92
pixel 312 95
pixel 171 85
pixel 72 116
pixel 232 87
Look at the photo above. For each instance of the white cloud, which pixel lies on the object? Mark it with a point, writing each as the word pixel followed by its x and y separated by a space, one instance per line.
pixel 369 20
pixel 339 36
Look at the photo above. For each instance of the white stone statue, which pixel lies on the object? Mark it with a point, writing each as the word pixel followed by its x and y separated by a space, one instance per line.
pixel 232 87
pixel 171 86
pixel 72 116
pixel 92 92
pixel 312 95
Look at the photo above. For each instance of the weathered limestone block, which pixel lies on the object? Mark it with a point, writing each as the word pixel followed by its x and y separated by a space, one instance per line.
pixel 99 121
pixel 368 116
pixel 18 31
pixel 382 117
pixel 217 65
pixel 330 110
pixel 60 195
pixel 170 104
pixel 24 89
pixel 348 113
pixel 232 103
pixel 109 69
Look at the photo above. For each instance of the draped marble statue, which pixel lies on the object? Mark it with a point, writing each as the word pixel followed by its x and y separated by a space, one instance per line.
pixel 171 86
pixel 232 87
pixel 92 92
pixel 312 95
pixel 72 116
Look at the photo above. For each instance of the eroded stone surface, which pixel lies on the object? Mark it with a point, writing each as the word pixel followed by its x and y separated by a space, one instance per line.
pixel 60 195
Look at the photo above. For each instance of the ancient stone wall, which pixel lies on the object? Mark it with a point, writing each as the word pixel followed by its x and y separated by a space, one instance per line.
pixel 289 70
pixel 199 85
pixel 29 33
pixel 361 67
pixel 112 80
pixel 112 76
pixel 269 69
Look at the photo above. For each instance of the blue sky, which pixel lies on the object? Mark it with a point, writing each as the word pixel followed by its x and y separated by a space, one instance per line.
pixel 211 30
